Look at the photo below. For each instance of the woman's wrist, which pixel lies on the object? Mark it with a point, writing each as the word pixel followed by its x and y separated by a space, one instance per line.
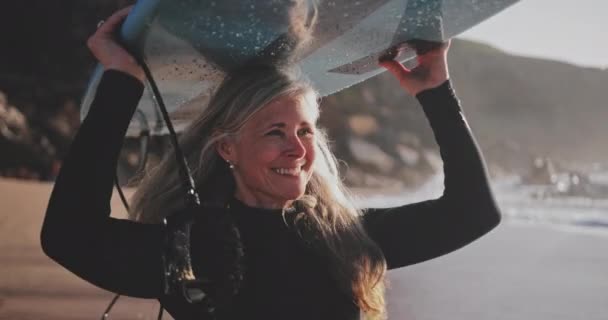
pixel 434 87
pixel 434 76
pixel 133 70
pixel 436 101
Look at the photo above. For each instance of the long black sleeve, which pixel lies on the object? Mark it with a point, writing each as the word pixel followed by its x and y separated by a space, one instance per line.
pixel 420 231
pixel 118 255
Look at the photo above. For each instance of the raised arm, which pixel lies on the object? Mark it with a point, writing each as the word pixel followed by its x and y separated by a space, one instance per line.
pixel 417 232
pixel 118 255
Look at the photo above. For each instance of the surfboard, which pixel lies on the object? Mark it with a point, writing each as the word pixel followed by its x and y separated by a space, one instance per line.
pixel 191 45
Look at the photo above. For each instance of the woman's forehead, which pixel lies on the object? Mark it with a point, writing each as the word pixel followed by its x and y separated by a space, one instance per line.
pixel 287 109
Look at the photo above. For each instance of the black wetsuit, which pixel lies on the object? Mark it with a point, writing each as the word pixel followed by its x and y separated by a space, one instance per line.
pixel 284 280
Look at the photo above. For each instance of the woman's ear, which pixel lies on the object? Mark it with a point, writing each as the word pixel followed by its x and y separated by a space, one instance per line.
pixel 225 148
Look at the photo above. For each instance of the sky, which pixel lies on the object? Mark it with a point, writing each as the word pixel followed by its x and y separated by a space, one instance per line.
pixel 574 31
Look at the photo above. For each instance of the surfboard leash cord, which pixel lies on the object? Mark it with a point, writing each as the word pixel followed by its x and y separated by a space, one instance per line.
pixel 188 288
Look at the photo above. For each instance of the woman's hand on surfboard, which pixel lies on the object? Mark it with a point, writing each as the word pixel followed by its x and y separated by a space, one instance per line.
pixel 105 47
pixel 430 72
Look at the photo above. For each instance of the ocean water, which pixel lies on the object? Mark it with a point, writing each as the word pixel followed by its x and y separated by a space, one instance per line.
pixel 519 204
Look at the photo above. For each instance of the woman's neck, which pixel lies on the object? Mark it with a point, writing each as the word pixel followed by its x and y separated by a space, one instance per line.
pixel 262 202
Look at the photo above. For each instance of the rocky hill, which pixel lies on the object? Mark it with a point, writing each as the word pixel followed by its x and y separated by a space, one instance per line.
pixel 519 109
pixel 544 107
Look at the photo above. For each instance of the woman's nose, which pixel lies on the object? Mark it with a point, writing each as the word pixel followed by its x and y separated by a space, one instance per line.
pixel 295 147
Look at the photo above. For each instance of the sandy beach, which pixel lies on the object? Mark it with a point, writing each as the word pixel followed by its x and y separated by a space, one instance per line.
pixel 515 272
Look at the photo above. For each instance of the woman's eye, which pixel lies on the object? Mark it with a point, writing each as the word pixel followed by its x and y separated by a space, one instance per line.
pixel 305 132
pixel 275 133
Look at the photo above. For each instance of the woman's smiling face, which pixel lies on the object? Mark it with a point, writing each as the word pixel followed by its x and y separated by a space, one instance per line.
pixel 274 152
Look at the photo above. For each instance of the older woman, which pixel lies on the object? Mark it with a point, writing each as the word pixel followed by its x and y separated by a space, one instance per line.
pixel 269 187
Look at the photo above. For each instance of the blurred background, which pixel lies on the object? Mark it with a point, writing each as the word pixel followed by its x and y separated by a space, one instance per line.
pixel 532 82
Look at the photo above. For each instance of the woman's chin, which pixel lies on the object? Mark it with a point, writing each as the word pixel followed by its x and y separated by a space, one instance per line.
pixel 291 193
pixel 292 187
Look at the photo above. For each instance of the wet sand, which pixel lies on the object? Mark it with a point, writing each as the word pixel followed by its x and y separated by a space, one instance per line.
pixel 515 272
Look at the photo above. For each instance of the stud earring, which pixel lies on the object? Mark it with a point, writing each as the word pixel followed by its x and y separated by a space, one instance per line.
pixel 230 164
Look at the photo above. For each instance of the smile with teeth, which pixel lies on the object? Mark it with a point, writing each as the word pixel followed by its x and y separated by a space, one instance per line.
pixel 288 172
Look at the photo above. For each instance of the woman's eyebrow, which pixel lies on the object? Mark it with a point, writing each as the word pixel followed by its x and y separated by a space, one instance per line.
pixel 263 128
pixel 277 124
pixel 283 125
